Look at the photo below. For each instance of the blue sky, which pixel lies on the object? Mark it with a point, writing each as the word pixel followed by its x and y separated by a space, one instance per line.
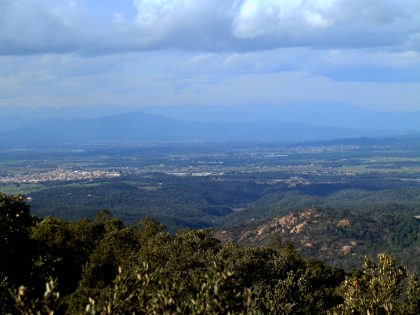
pixel 142 53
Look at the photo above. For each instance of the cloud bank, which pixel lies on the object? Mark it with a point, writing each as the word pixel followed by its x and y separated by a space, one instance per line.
pixel 210 52
pixel 63 26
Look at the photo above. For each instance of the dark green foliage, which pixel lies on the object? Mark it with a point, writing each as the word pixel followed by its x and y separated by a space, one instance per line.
pixel 63 249
pixel 380 205
pixel 105 267
pixel 380 289
pixel 179 202
pixel 15 224
pixel 47 304
pixel 16 250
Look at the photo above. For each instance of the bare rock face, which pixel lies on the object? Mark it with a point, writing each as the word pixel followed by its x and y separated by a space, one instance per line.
pixel 316 232
pixel 293 223
pixel 343 223
pixel 290 224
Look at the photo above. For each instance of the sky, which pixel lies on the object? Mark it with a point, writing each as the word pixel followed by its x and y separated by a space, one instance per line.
pixel 141 53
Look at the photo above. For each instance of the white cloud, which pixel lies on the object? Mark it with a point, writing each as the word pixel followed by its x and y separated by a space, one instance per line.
pixel 147 52
pixel 196 25
pixel 39 26
pixel 32 26
pixel 270 17
pixel 331 23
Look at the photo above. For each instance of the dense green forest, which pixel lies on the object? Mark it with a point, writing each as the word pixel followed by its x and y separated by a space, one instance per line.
pixel 337 237
pixel 379 211
pixel 204 202
pixel 102 266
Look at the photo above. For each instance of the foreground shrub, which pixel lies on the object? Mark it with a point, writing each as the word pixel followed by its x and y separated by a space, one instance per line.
pixel 379 289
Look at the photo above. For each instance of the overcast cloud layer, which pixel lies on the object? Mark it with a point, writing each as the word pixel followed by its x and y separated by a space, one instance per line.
pixel 210 52
pixel 56 26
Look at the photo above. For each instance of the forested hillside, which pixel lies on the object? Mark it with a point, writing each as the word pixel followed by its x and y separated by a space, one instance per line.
pixel 360 216
pixel 104 267
pixel 337 237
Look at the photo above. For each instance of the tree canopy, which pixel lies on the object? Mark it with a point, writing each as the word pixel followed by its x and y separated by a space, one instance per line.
pixel 104 267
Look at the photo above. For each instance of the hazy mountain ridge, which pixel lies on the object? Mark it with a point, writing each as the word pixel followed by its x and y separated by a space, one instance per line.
pixel 330 114
pixel 139 127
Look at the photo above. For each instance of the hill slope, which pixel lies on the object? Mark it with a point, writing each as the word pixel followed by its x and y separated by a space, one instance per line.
pixel 341 238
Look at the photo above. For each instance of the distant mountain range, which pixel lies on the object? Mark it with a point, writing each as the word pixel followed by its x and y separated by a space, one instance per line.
pixel 330 114
pixel 298 123
pixel 138 127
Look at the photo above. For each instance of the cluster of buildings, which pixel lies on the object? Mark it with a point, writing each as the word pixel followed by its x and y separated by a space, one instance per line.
pixel 59 175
